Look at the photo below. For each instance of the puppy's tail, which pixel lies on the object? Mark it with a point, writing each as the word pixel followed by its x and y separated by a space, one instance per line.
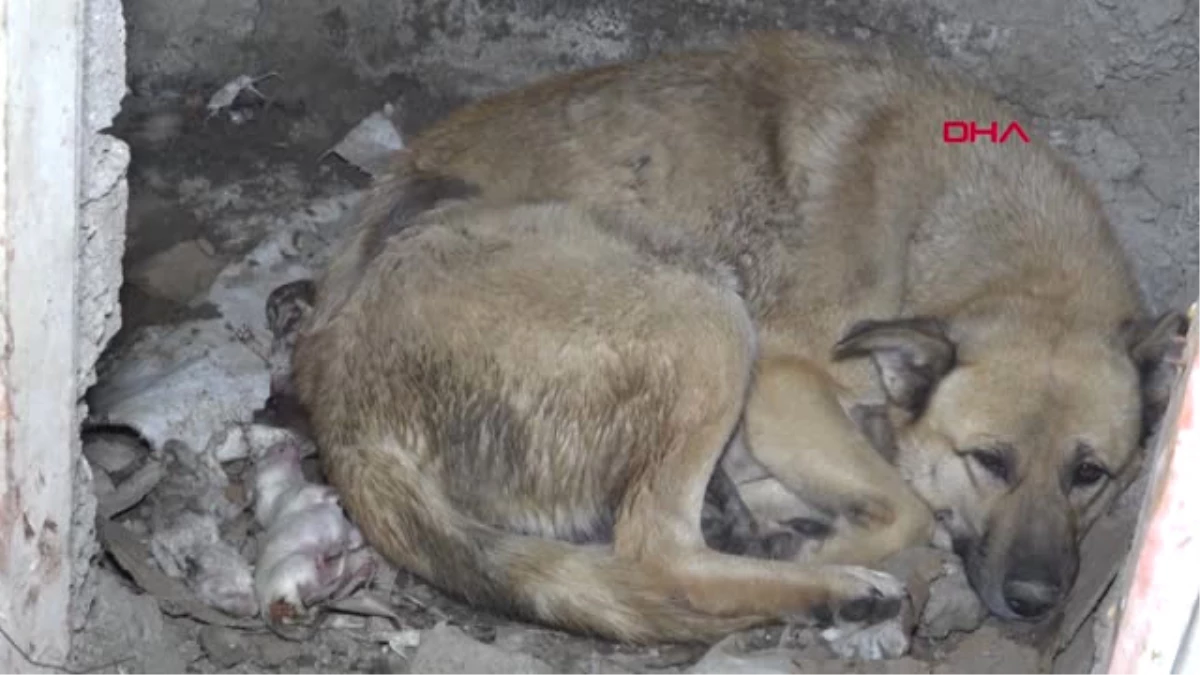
pixel 574 587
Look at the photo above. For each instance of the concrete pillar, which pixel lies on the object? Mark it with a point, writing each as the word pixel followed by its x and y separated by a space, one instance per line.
pixel 61 226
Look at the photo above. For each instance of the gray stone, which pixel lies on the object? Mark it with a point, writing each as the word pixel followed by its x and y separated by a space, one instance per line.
pixel 988 650
pixel 953 605
pixel 128 627
pixel 274 652
pixel 445 649
pixel 114 453
pixel 224 647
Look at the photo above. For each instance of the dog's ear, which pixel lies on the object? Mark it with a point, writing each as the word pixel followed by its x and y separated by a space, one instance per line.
pixel 1156 347
pixel 911 356
pixel 1150 341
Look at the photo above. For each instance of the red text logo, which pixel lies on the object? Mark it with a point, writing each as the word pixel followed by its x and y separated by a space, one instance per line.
pixel 967 131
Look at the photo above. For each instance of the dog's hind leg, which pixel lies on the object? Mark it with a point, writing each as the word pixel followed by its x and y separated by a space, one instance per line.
pixel 658 521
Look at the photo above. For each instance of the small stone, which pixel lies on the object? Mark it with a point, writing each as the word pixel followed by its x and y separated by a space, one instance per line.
pixel 953 605
pixel 729 656
pixel 371 145
pixel 405 639
pixel 888 666
pixel 988 650
pixel 225 648
pixel 273 651
pixel 113 453
pixel 179 273
pixel 445 649
pixel 918 568
pixel 123 624
pixel 885 640
pixel 102 484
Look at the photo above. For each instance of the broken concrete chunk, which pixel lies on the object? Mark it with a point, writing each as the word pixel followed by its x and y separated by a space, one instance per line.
pixel 275 652
pixel 988 650
pixel 728 656
pixel 114 453
pixel 445 649
pixel 887 640
pixel 904 665
pixel 189 381
pixel 371 145
pixel 399 641
pixel 125 630
pixel 131 491
pixel 1079 654
pixel 766 661
pixel 224 647
pixel 953 605
pixel 1103 550
pixel 179 273
pixel 918 568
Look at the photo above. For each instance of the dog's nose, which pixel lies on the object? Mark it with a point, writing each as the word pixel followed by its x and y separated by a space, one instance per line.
pixel 1030 598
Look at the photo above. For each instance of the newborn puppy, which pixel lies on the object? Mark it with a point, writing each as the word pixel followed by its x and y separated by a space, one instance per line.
pixel 308 553
pixel 730 527
pixel 286 309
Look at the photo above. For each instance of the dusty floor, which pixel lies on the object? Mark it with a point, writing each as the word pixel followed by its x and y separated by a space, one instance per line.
pixel 205 192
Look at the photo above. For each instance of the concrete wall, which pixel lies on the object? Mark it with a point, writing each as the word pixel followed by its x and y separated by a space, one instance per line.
pixel 37 299
pixel 61 224
pixel 1113 83
pixel 104 196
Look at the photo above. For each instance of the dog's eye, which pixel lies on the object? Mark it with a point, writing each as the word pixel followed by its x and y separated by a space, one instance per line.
pixel 1088 473
pixel 993 462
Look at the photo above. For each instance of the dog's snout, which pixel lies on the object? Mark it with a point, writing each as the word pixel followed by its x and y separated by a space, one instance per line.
pixel 1030 598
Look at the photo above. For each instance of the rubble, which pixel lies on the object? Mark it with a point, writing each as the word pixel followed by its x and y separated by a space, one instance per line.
pixel 373 143
pixel 224 647
pixel 989 650
pixel 953 605
pixel 447 649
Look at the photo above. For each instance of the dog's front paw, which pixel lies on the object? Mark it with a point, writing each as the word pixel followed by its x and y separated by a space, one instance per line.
pixel 887 640
pixel 869 596
pixel 872 623
pixel 857 597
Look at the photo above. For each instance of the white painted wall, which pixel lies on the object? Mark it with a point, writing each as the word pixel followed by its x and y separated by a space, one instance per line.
pixel 40 163
pixel 62 212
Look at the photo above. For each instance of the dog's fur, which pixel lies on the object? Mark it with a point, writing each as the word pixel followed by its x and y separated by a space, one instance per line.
pixel 522 393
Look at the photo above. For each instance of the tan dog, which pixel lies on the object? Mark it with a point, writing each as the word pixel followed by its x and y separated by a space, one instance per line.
pixel 494 382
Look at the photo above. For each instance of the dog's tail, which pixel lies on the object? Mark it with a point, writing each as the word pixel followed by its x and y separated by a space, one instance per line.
pixel 585 589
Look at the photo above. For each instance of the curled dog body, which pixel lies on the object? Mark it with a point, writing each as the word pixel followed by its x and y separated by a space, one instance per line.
pixel 525 409
pixel 840 257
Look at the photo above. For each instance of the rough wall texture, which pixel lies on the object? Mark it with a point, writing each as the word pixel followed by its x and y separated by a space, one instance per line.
pixel 41 51
pixel 1112 83
pixel 103 201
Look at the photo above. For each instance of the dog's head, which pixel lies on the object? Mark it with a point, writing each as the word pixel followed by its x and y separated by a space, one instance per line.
pixel 1017 440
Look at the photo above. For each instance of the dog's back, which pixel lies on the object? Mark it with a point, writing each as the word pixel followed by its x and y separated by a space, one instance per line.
pixel 477 397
